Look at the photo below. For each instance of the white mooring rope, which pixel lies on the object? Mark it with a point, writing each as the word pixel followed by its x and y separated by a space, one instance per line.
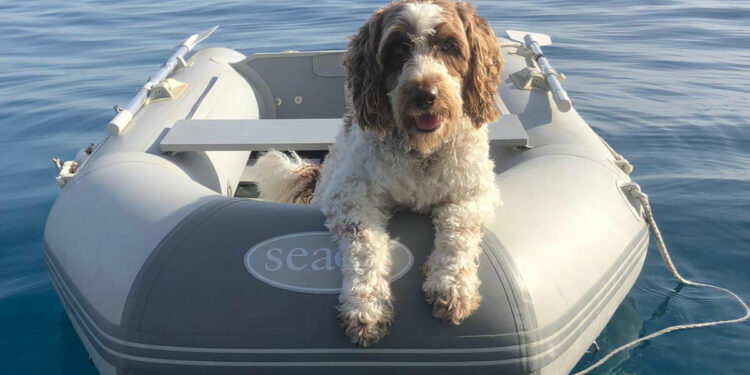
pixel 636 192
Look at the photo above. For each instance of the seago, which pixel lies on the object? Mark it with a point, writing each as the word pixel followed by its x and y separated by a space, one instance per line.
pixel 299 259
pixel 309 262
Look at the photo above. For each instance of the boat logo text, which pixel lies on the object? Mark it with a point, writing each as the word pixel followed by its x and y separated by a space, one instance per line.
pixel 310 262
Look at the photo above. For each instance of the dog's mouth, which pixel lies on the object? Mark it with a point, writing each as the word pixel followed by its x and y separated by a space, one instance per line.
pixel 427 123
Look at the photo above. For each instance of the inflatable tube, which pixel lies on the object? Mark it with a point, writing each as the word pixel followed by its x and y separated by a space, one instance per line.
pixel 162 269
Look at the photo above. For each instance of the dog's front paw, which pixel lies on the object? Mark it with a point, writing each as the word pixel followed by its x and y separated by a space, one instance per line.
pixel 366 322
pixel 453 299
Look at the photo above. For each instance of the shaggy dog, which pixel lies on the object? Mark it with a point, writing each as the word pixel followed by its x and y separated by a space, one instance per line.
pixel 423 75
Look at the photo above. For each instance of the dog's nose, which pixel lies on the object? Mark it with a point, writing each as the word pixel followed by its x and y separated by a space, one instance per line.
pixel 424 97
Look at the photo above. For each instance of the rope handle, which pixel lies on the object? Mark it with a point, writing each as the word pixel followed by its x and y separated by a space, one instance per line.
pixel 635 191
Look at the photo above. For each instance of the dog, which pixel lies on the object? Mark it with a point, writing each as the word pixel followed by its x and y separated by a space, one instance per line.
pixel 423 76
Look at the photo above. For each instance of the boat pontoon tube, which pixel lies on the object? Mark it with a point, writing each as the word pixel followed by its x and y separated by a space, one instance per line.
pixel 162 269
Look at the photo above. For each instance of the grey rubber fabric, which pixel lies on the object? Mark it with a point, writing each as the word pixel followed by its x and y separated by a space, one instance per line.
pixel 229 321
pixel 198 272
pixel 322 73
pixel 518 298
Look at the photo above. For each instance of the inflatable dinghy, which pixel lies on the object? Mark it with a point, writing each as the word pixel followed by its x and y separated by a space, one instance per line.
pixel 166 264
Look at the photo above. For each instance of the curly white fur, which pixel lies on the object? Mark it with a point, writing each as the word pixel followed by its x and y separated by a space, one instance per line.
pixel 363 181
pixel 366 178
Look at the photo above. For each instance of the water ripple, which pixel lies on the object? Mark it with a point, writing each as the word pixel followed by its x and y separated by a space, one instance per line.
pixel 666 83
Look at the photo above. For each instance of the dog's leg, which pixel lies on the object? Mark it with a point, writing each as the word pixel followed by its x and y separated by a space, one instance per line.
pixel 366 308
pixel 451 282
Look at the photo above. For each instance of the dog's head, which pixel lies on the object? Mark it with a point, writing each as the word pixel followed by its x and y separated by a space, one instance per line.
pixel 419 67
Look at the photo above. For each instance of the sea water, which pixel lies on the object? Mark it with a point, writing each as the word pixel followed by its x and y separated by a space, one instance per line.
pixel 666 83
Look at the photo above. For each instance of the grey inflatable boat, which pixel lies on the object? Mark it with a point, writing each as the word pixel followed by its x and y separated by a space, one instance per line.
pixel 166 264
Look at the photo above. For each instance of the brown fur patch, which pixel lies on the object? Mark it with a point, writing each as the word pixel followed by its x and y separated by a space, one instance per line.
pixel 450 44
pixel 372 110
pixel 485 64
pixel 308 176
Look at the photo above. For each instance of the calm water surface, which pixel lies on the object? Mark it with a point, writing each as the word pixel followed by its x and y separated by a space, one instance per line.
pixel 665 82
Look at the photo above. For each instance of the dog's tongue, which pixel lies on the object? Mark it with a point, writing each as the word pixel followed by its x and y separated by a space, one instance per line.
pixel 427 122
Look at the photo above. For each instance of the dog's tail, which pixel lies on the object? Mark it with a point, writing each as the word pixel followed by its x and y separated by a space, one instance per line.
pixel 282 178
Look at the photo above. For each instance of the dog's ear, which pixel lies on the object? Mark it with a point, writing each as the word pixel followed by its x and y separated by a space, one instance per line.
pixel 485 63
pixel 365 78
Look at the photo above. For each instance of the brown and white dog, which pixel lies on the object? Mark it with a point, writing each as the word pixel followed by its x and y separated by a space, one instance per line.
pixel 423 75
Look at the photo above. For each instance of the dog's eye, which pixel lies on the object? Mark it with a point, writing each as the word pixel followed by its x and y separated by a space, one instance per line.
pixel 447 46
pixel 400 50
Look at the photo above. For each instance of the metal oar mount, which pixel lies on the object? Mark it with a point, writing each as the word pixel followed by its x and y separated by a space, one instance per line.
pixel 125 115
pixel 534 42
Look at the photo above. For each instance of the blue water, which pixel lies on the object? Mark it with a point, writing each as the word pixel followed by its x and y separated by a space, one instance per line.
pixel 667 83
